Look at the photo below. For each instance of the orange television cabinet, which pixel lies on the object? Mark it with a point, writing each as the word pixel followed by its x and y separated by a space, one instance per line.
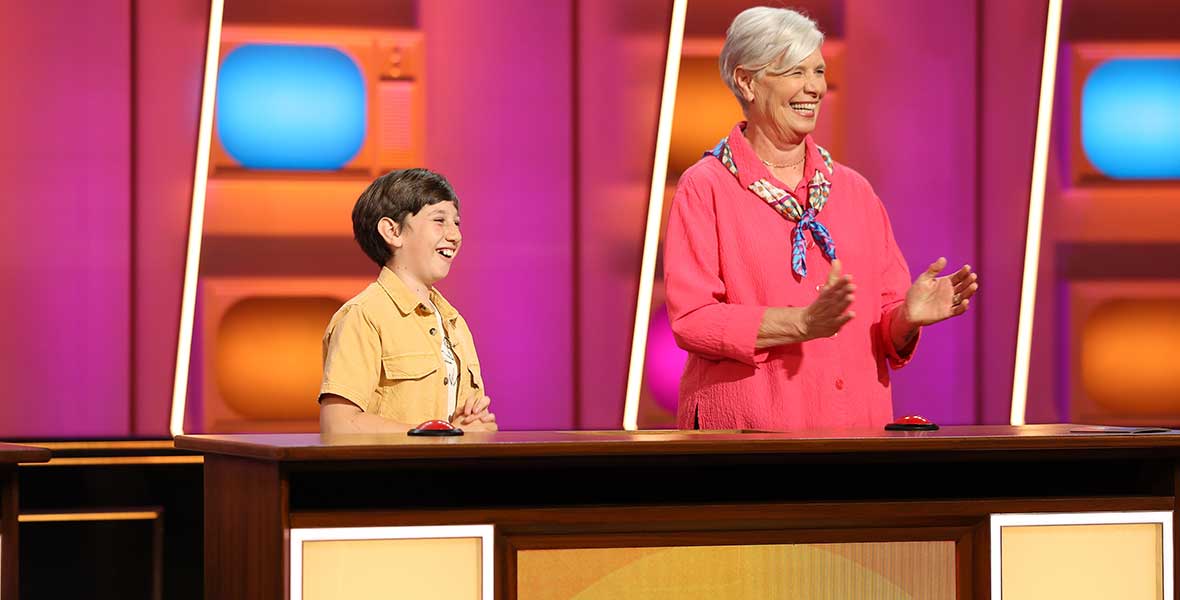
pixel 964 512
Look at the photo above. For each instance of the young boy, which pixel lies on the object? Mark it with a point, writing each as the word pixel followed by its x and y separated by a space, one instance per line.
pixel 398 353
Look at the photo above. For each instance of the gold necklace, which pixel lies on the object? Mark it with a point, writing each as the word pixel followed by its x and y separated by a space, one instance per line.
pixel 784 165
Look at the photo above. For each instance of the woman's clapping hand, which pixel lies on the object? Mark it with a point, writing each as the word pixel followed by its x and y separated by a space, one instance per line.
pixel 932 298
pixel 829 312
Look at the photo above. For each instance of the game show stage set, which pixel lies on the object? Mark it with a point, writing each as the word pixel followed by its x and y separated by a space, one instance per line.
pixel 181 176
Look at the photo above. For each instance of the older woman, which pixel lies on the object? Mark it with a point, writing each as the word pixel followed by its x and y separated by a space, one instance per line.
pixel 784 282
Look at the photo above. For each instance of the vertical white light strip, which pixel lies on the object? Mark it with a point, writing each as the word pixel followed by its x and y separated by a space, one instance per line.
pixel 196 221
pixel 1036 211
pixel 655 208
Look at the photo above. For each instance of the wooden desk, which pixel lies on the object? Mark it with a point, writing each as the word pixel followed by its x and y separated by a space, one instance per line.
pixel 112 519
pixel 10 455
pixel 618 489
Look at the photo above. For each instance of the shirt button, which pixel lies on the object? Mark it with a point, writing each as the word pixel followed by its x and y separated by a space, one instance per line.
pixel 839 384
pixel 446 381
pixel 433 331
pixel 819 286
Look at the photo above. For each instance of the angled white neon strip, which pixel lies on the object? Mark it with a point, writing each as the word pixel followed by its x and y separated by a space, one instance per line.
pixel 655 207
pixel 1000 521
pixel 196 221
pixel 1036 212
pixel 486 533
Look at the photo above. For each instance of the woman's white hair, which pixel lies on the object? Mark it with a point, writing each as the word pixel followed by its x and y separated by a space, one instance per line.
pixel 767 40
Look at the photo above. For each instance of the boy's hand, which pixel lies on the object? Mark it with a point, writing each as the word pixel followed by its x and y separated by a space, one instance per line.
pixel 471 409
pixel 485 422
pixel 474 416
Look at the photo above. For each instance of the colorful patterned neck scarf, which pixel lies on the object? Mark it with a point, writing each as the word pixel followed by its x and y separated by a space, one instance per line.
pixel 782 201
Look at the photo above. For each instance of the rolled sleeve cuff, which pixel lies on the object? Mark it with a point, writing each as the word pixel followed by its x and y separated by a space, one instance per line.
pixel 740 335
pixel 348 393
pixel 896 357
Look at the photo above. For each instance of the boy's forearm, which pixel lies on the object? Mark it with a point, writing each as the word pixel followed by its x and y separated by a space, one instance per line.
pixel 341 420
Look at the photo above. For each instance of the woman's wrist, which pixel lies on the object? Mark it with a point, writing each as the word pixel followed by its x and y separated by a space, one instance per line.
pixel 782 325
pixel 902 329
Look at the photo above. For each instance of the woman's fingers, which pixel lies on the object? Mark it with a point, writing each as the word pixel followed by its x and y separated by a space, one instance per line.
pixel 962 276
pixel 962 283
pixel 836 286
pixel 936 267
pixel 830 311
pixel 834 274
pixel 969 291
pixel 837 290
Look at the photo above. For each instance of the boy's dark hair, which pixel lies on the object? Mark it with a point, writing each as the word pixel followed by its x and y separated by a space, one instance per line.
pixel 397 195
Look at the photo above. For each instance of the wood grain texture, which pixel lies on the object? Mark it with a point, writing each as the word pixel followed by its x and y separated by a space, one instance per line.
pixel 9 533
pixel 621 489
pixel 100 453
pixel 515 444
pixel 245 524
pixel 10 456
pixel 16 453
pixel 982 560
pixel 725 517
pixel 966 568
pixel 94 482
pixel 1176 528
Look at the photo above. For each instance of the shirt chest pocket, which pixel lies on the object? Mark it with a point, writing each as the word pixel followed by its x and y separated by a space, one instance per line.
pixel 410 386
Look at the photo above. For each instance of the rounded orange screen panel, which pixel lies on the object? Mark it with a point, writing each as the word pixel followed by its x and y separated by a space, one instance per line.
pixel 1128 356
pixel 269 356
pixel 705 112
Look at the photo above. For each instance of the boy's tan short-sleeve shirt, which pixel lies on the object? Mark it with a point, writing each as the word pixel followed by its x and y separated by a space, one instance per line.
pixel 382 352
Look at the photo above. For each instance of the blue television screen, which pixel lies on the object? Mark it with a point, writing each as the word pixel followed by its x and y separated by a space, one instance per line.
pixel 290 107
pixel 1131 118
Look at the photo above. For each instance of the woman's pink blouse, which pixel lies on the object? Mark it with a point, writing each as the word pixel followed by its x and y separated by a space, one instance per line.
pixel 728 258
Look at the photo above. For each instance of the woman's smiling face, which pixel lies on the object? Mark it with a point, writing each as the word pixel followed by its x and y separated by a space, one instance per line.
pixel 788 102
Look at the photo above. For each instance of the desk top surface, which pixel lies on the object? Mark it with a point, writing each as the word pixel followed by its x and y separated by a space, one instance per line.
pixel 13 453
pixel 989 438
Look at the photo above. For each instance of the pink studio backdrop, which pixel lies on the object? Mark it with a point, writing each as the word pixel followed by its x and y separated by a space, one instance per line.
pixel 543 115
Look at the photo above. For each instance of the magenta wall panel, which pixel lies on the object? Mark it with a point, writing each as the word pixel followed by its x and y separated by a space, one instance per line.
pixel 543 115
pixel 620 67
pixel 64 256
pixel 1013 34
pixel 911 130
pixel 500 118
pixel 169 66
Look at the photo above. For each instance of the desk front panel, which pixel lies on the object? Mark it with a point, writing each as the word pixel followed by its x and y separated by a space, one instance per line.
pixel 911 522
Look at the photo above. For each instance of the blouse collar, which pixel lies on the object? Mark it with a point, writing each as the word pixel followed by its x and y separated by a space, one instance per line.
pixel 750 167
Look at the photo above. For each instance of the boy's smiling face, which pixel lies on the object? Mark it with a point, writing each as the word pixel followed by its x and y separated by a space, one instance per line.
pixel 425 244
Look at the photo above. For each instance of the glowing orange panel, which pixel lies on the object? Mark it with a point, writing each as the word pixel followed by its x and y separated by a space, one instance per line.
pixel 1128 356
pixel 268 357
pixel 705 112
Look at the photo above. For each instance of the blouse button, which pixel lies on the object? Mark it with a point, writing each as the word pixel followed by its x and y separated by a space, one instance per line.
pixel 433 331
pixel 839 384
pixel 446 381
